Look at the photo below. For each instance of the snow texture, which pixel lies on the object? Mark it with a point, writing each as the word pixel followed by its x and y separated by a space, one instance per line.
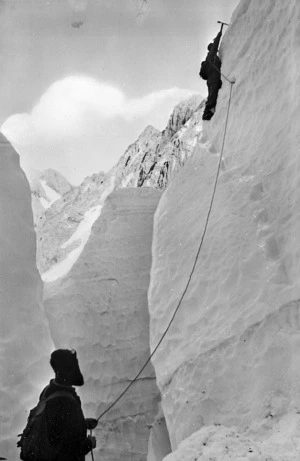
pixel 100 309
pixel 232 356
pixel 25 343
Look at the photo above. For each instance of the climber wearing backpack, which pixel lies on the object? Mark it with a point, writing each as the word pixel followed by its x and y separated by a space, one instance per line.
pixel 56 429
pixel 210 71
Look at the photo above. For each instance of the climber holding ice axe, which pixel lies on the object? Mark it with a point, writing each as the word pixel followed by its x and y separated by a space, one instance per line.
pixel 210 71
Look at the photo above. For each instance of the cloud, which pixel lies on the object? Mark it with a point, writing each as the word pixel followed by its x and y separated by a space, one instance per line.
pixel 141 107
pixel 67 105
pixel 62 109
pixel 80 114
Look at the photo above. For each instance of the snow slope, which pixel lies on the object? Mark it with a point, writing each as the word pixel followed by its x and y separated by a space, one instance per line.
pixel 100 309
pixel 25 343
pixel 230 365
pixel 81 235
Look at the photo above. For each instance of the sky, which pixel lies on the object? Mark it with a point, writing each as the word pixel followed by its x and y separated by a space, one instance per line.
pixel 74 98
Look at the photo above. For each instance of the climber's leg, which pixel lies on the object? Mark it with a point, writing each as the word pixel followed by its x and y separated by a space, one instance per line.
pixel 213 90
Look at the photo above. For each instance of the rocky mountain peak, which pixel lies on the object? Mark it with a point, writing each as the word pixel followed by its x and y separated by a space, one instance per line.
pixel 93 181
pixel 151 161
pixel 52 179
pixel 150 130
pixel 181 114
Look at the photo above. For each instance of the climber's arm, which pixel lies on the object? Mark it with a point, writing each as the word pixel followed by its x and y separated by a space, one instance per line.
pixel 216 43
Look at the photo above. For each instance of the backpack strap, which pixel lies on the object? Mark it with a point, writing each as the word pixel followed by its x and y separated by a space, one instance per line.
pixel 42 396
pixel 42 403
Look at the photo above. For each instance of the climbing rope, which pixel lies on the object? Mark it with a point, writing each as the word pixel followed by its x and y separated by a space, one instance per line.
pixel 193 268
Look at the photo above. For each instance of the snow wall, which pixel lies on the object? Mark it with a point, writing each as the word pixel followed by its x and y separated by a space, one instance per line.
pixel 100 308
pixel 229 366
pixel 25 343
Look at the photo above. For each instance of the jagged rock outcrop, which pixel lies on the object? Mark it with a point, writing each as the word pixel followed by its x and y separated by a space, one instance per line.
pixel 138 159
pixel 229 365
pixel 93 183
pixel 161 159
pixel 25 341
pixel 100 308
pixel 181 115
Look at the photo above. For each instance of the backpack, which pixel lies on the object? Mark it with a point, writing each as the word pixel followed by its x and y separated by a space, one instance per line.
pixel 204 69
pixel 34 442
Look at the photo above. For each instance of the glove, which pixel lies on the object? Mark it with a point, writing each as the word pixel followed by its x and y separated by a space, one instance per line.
pixel 91 423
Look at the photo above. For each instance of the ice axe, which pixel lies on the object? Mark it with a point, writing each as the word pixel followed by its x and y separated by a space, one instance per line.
pixel 223 24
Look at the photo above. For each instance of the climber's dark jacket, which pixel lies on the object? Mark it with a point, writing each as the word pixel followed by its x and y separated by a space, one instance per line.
pixel 214 81
pixel 66 424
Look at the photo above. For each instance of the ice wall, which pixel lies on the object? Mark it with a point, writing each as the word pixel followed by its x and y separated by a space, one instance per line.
pixel 25 343
pixel 231 360
pixel 100 309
